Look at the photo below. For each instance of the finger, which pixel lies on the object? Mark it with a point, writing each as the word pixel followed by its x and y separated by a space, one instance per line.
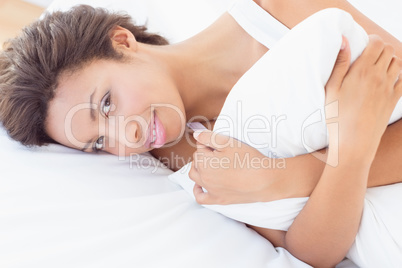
pixel 398 87
pixel 341 66
pixel 201 153
pixel 394 69
pixel 201 159
pixel 198 158
pixel 195 175
pixel 203 148
pixel 212 139
pixel 386 57
pixel 201 197
pixel 373 50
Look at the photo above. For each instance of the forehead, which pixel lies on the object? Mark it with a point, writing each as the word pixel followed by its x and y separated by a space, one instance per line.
pixel 73 84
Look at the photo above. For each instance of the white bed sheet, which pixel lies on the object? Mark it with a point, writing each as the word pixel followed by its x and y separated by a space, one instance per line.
pixel 63 208
pixel 70 209
pixel 256 104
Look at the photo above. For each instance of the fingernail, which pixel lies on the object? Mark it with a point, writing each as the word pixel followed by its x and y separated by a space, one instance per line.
pixel 196 126
pixel 197 133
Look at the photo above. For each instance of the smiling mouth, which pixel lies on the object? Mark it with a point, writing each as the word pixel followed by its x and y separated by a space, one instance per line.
pixel 153 129
pixel 157 134
pixel 153 132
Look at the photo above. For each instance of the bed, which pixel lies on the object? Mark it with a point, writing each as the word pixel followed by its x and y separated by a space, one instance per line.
pixel 63 208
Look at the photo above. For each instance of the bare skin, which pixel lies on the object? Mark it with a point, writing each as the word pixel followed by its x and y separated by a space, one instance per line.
pixel 331 217
pixel 385 169
pixel 182 68
pixel 308 223
pixel 179 71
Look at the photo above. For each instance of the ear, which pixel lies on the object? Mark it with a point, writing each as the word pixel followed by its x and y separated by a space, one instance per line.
pixel 123 39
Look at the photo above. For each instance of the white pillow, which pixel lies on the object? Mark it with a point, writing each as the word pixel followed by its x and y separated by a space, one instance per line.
pixel 275 98
pixel 64 208
pixel 289 81
pixel 200 14
pixel 176 20
pixel 278 105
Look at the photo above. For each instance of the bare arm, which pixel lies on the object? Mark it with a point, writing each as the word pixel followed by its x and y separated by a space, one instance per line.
pixel 297 177
pixel 303 172
pixel 332 215
pixel 325 229
pixel 386 168
pixel 292 12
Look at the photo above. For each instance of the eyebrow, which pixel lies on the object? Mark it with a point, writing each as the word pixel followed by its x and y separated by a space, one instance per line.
pixel 92 111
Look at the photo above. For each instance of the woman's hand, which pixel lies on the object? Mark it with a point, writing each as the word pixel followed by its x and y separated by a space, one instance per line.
pixel 233 172
pixel 360 99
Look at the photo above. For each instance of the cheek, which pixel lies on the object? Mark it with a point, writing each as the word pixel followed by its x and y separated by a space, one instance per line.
pixel 128 103
pixel 129 96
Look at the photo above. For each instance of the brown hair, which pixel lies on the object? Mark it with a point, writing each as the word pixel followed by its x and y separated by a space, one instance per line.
pixel 31 63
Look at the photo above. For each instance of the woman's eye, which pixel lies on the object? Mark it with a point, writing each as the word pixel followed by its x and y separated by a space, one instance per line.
pixel 99 144
pixel 106 105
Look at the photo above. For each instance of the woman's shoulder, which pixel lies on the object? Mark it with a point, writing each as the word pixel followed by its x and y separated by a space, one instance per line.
pixel 282 9
pixel 292 12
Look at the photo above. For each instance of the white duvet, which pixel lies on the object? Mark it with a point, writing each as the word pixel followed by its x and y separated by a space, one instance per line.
pixel 281 99
pixel 64 208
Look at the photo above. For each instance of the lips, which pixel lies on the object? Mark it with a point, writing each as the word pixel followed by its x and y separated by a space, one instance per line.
pixel 156 132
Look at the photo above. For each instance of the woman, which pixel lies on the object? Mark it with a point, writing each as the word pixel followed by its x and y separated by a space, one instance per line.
pixel 100 97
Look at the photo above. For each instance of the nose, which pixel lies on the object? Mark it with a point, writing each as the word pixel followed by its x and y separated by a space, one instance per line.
pixel 129 131
pixel 133 132
pixel 126 132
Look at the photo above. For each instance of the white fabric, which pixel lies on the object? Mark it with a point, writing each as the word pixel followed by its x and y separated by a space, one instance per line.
pixel 176 20
pixel 285 111
pixel 63 208
pixel 257 22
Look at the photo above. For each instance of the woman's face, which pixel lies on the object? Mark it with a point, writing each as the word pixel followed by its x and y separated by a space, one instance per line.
pixel 119 107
